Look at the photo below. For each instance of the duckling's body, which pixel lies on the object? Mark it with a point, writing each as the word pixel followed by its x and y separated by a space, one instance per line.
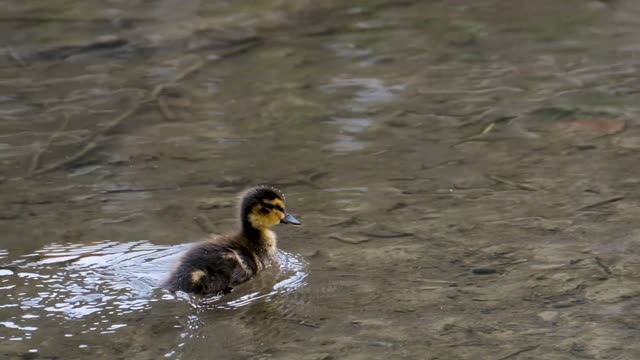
pixel 218 264
pixel 221 263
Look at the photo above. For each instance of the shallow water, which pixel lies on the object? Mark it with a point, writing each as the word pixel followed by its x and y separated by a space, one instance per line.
pixel 96 289
pixel 465 172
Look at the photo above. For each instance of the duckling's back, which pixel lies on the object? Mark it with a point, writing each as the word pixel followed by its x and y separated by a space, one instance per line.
pixel 213 267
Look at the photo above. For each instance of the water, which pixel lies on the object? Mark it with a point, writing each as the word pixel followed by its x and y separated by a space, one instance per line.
pixel 97 289
pixel 464 170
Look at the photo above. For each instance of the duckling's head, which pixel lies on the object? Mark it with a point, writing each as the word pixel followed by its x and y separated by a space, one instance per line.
pixel 262 207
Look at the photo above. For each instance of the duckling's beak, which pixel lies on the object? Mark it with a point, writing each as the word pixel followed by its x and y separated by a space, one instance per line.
pixel 290 219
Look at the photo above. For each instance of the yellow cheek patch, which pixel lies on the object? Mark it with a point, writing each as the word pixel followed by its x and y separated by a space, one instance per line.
pixel 263 221
pixel 276 202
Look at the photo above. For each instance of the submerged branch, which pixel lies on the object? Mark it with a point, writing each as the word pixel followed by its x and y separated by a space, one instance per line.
pixel 154 96
pixel 36 157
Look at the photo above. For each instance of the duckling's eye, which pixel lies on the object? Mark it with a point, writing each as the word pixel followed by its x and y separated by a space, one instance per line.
pixel 273 206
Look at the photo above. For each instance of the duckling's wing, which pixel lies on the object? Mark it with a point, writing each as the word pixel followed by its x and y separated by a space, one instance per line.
pixel 209 268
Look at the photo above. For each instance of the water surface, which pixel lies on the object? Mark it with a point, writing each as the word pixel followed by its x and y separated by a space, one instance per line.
pixel 465 172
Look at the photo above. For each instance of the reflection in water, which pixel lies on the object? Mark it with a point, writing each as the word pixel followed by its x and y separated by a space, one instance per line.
pixel 346 143
pixel 345 140
pixel 353 125
pixel 107 280
pixel 348 50
pixel 368 91
pixel 364 92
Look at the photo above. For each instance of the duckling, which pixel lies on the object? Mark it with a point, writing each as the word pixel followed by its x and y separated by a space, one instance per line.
pixel 218 264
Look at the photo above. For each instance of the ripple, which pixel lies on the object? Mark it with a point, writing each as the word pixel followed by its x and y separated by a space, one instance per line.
pixel 101 282
pixel 291 265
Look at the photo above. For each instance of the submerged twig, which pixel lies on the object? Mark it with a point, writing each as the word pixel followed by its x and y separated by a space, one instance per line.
pixel 601 203
pixel 240 49
pixel 516 353
pixel 512 183
pixel 482 136
pixel 16 57
pixel 602 265
pixel 347 240
pixel 85 150
pixel 442 163
pixel 36 157
pixel 91 144
pixel 158 89
pixel 117 121
pixel 153 96
pixel 164 109
pixel 389 235
pixel 488 128
pixel 304 323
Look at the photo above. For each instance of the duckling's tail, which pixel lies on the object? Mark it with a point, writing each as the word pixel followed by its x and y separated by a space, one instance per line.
pixel 187 280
